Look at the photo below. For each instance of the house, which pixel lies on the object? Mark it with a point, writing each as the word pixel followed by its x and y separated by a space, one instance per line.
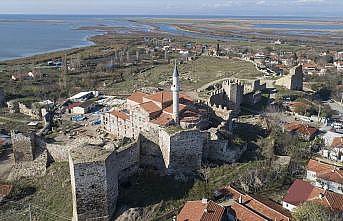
pixel 71 106
pixel 302 191
pixel 329 136
pixel 325 176
pixel 202 210
pixel 303 131
pixel 84 107
pixel 310 68
pixel 339 65
pixel 5 190
pixel 244 207
pixel 334 151
pixel 83 96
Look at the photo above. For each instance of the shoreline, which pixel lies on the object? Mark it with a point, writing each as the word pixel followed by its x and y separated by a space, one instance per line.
pixel 87 39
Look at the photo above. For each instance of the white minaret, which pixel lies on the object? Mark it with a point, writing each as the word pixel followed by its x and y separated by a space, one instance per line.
pixel 175 88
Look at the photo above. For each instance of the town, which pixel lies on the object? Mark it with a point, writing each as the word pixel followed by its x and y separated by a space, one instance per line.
pixel 172 128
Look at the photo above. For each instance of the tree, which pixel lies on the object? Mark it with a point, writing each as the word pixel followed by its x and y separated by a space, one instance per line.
pixel 310 211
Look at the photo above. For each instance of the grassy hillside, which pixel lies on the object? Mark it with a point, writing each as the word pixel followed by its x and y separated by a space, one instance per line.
pixel 49 197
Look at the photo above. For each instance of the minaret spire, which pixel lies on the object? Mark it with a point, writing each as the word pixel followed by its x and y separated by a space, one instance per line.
pixel 176 94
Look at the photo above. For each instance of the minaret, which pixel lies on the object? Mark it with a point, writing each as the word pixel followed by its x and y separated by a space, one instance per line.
pixel 175 88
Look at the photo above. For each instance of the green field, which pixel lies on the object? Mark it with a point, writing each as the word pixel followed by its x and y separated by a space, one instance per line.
pixel 194 74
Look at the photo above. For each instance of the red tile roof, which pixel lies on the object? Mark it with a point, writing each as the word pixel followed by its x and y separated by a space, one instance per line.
pixel 200 211
pixel 169 109
pixel 120 115
pixel 71 106
pixel 5 190
pixel 301 128
pixel 337 142
pixel 301 191
pixel 261 207
pixel 137 97
pixel 326 171
pixel 243 213
pixel 160 96
pixel 167 97
pixel 292 126
pixel 307 130
pixel 150 107
pixel 163 120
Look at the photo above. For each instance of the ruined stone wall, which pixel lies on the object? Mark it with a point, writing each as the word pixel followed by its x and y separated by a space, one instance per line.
pixel 221 150
pixel 252 98
pixel 293 81
pixel 150 153
pixel 297 78
pixel 182 151
pixel 127 160
pixel 2 97
pixel 94 188
pixel 23 147
pixel 59 153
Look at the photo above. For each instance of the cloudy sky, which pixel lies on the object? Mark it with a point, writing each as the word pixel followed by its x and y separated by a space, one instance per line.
pixel 176 7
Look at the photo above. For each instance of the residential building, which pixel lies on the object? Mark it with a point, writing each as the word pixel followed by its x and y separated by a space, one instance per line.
pixel 84 107
pixel 334 151
pixel 325 176
pixel 302 191
pixel 202 210
pixel 304 131
pixel 244 207
pixel 5 190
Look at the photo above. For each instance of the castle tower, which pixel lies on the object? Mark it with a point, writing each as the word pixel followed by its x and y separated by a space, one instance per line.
pixel 175 88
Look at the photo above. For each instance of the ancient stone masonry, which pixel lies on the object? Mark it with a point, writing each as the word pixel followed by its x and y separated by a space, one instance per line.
pixel 95 173
pixel 293 81
pixel 23 147
pixel 127 160
pixel 29 155
pixel 182 151
pixel 94 182
pixel 151 154
pixel 168 139
pixel 2 97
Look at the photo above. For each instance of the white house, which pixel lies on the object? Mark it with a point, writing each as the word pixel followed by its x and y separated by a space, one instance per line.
pixel 302 191
pixel 325 176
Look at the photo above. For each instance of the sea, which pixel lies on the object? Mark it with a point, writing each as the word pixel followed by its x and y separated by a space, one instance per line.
pixel 27 35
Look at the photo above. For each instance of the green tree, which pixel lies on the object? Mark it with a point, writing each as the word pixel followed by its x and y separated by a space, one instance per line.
pixel 310 211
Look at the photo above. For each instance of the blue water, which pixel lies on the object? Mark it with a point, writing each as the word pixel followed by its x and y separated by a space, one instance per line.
pixel 25 35
pixel 301 26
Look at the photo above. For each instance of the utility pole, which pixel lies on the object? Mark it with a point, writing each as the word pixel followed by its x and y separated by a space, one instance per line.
pixel 319 116
pixel 30 215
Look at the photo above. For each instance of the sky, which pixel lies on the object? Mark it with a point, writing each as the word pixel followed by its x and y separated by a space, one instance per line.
pixel 308 8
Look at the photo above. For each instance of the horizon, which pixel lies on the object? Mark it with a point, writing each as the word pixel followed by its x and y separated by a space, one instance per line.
pixel 294 8
pixel 182 15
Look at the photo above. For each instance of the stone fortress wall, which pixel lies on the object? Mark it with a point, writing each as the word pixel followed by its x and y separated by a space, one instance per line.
pixel 23 147
pixel 94 187
pixel 294 80
pixel 182 151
